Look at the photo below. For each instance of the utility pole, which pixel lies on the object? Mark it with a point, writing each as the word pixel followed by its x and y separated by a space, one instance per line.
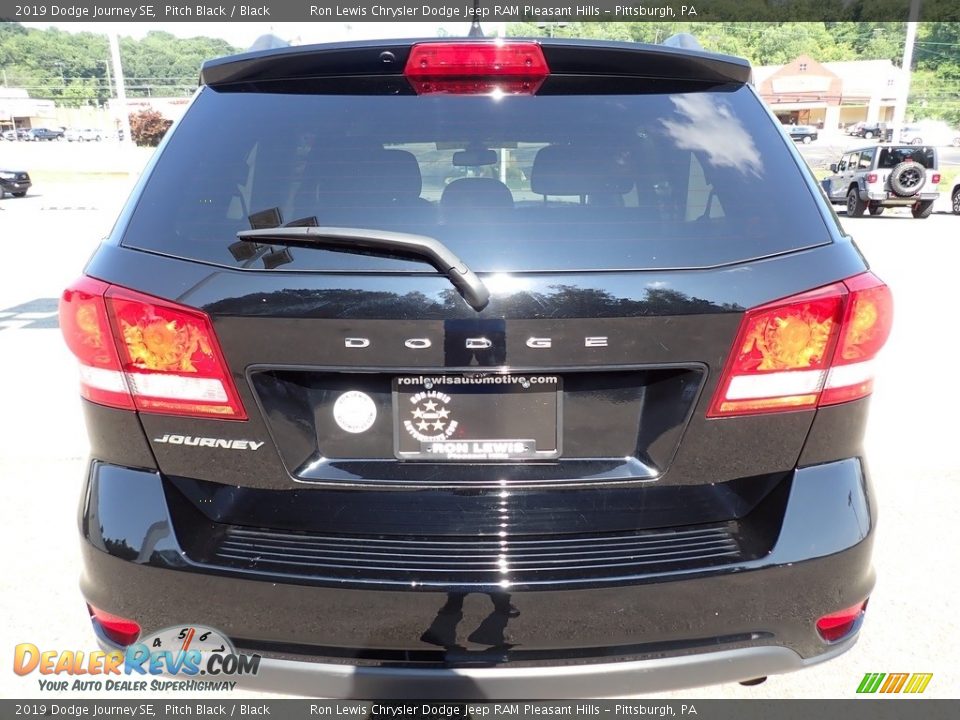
pixel 900 109
pixel 121 90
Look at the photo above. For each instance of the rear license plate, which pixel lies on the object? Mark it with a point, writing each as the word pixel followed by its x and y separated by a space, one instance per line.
pixel 491 418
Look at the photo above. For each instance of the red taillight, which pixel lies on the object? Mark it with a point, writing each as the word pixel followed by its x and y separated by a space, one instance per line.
pixel 935 179
pixel 837 625
pixel 811 349
pixel 119 630
pixel 867 320
pixel 138 351
pixel 476 68
pixel 871 177
pixel 86 330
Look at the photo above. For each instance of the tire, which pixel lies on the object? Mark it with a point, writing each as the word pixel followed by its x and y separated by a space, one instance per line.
pixel 3 193
pixel 868 135
pixel 907 178
pixel 917 141
pixel 876 210
pixel 807 139
pixel 955 200
pixel 922 209
pixel 855 206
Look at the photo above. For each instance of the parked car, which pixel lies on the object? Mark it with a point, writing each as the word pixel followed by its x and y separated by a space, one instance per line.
pixel 19 134
pixel 880 131
pixel 881 176
pixel 41 133
pixel 405 437
pixel 84 135
pixel 802 133
pixel 855 128
pixel 14 182
pixel 930 133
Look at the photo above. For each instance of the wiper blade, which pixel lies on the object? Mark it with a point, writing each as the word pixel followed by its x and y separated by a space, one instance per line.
pixel 384 243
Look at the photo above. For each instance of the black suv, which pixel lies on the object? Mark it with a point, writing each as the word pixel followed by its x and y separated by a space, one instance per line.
pixel 464 369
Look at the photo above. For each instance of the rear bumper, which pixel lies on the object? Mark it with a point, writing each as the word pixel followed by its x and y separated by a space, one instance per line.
pixel 616 679
pixel 16 186
pixel 889 199
pixel 621 636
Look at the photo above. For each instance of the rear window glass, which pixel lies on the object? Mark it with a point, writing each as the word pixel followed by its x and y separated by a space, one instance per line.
pixel 557 182
pixel 890 157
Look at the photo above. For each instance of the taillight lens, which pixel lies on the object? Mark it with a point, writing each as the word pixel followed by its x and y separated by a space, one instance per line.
pixel 119 630
pixel 86 330
pixel 866 326
pixel 811 349
pixel 935 178
pixel 871 177
pixel 150 354
pixel 476 68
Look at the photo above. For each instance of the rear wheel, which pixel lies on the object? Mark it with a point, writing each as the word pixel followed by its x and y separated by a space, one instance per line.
pixel 868 135
pixel 955 199
pixel 807 139
pixel 855 206
pixel 918 141
pixel 876 210
pixel 922 209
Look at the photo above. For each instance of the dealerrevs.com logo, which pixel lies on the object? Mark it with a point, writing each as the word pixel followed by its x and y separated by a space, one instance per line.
pixel 191 657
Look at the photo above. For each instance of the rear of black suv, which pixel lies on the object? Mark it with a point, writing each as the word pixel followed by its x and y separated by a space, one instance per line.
pixel 474 369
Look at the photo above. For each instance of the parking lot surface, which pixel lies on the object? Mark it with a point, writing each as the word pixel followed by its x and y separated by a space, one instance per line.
pixel 911 625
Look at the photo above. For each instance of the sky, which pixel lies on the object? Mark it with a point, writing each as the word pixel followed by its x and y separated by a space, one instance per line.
pixel 243 34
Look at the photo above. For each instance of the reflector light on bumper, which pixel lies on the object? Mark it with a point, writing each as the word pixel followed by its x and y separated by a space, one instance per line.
pixel 119 630
pixel 838 625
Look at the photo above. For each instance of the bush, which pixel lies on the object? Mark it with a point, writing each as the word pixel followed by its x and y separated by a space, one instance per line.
pixel 148 127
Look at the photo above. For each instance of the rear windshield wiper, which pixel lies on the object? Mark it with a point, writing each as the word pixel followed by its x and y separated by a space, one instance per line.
pixel 383 243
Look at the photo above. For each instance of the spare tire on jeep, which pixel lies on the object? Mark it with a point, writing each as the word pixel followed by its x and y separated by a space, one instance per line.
pixel 907 178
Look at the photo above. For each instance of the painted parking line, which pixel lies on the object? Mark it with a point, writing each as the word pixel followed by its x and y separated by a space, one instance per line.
pixel 37 314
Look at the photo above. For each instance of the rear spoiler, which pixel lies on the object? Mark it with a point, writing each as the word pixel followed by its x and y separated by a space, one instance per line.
pixel 388 57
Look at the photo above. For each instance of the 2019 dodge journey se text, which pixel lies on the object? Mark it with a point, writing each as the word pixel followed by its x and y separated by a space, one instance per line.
pixel 462 368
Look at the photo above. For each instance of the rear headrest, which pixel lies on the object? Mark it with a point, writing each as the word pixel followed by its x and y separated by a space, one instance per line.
pixel 476 193
pixel 396 172
pixel 367 176
pixel 566 170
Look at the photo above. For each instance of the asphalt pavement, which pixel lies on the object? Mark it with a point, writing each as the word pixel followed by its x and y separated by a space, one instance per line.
pixel 911 625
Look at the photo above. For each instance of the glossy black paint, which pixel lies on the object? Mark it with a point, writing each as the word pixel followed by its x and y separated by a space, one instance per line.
pixel 132 555
pixel 652 319
pixel 187 522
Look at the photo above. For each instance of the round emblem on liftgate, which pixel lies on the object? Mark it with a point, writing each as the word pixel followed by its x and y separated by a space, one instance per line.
pixel 355 411
pixel 428 416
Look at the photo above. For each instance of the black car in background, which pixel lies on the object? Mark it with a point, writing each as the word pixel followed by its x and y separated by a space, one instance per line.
pixel 14 182
pixel 803 133
pixel 470 369
pixel 874 131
